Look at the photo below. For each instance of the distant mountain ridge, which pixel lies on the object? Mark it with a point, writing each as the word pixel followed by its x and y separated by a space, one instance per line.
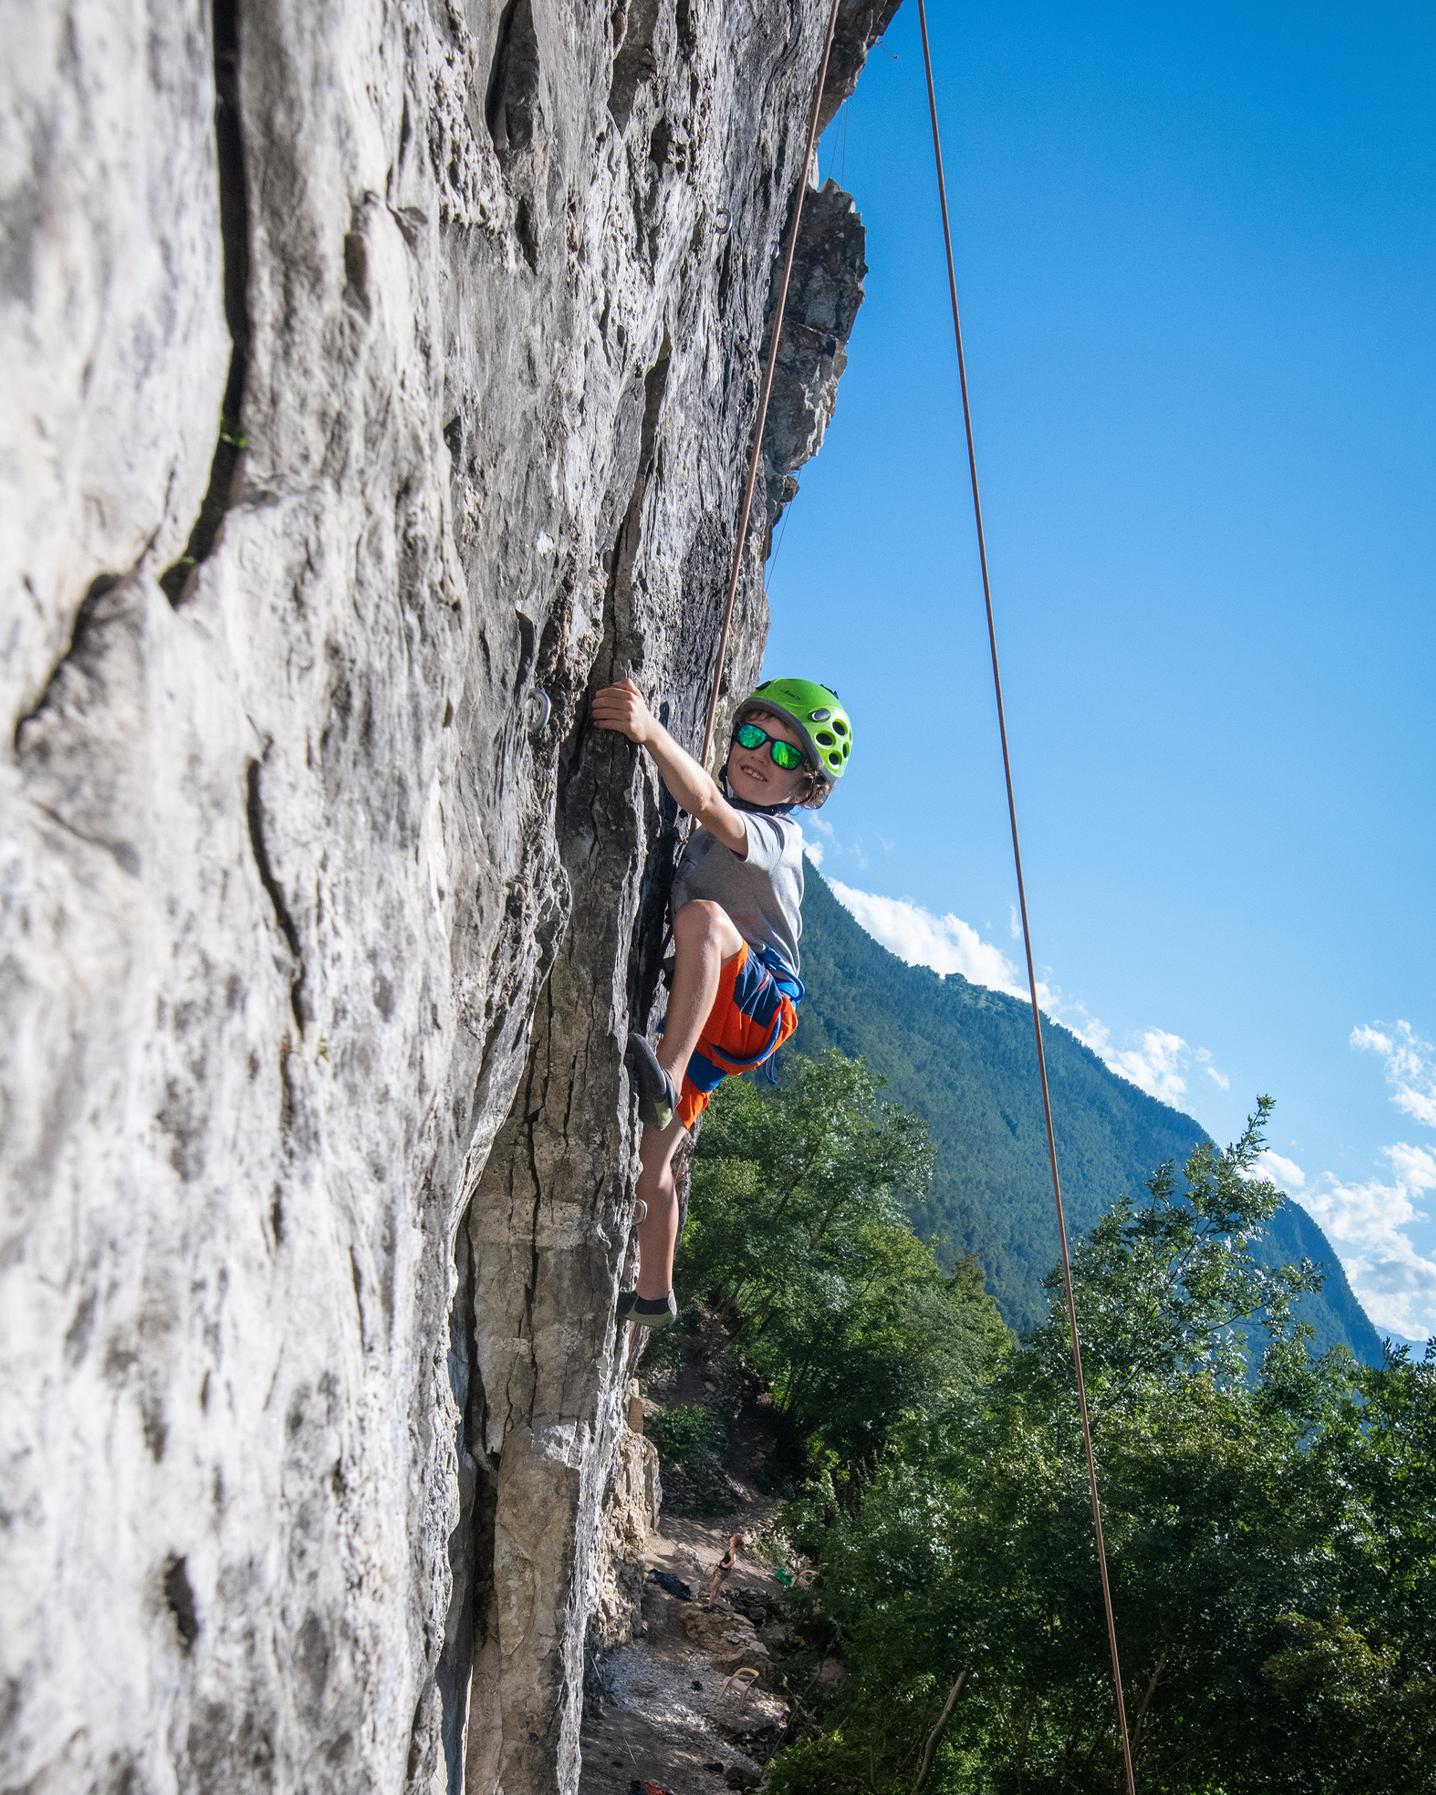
pixel 962 1057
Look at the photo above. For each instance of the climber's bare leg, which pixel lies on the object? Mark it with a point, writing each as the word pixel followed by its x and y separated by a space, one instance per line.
pixel 658 1231
pixel 704 941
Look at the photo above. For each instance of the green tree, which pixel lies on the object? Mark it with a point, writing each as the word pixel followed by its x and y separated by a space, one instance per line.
pixel 1271 1552
pixel 799 1236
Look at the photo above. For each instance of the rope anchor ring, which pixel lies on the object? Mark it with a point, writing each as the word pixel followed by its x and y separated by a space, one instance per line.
pixel 538 710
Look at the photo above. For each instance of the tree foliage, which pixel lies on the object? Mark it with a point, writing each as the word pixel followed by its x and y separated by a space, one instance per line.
pixel 1270 1531
pixel 799 1237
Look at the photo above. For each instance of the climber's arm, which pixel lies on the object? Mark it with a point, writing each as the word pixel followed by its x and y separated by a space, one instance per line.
pixel 622 708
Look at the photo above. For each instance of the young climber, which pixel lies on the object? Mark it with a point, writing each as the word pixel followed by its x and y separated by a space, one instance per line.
pixel 737 901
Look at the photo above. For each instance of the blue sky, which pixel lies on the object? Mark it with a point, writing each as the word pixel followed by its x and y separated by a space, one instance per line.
pixel 1197 263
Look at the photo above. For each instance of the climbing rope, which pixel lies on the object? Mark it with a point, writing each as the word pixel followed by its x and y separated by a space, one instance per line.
pixel 1026 928
pixel 746 511
pixel 735 571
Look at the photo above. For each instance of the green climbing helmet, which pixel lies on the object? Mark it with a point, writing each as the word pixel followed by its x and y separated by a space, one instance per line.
pixel 816 712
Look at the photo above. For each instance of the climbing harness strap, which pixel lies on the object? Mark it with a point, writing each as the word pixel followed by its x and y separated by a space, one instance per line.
pixel 795 991
pixel 784 977
pixel 775 337
pixel 1026 929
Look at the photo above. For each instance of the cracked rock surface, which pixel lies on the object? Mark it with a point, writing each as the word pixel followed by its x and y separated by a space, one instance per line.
pixel 379 380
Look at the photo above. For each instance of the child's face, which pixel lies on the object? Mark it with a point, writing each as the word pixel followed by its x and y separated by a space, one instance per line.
pixel 752 772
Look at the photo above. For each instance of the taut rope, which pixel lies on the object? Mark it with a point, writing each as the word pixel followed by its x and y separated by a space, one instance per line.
pixel 1027 931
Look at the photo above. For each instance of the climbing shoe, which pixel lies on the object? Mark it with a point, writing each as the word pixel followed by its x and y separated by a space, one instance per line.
pixel 657 1097
pixel 647 1311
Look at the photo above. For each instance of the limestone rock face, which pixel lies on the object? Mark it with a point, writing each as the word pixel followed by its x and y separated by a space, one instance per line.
pixel 630 1515
pixel 379 378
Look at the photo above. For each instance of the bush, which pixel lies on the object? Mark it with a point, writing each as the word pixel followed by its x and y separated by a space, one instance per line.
pixel 686 1432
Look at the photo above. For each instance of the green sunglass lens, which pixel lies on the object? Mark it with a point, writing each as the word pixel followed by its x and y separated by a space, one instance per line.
pixel 785 755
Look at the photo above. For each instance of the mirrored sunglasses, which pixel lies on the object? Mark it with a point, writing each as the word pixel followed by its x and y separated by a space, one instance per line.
pixel 785 755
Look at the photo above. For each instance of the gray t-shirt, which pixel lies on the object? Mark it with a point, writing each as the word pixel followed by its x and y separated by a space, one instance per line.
pixel 763 894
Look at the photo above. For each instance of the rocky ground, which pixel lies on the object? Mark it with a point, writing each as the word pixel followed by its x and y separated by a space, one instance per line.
pixel 696 1701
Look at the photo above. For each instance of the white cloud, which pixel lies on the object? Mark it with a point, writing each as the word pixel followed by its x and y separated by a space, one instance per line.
pixel 814 851
pixel 1366 1223
pixel 945 943
pixel 1415 1167
pixel 1419 1105
pixel 1014 923
pixel 1410 1066
pixel 835 846
pixel 1156 1065
pixel 1156 1061
pixel 1285 1173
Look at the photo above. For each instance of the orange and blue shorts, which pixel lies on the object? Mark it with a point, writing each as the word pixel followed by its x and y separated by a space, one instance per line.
pixel 755 1011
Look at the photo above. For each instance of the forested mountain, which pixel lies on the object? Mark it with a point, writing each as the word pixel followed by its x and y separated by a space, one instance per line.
pixel 962 1057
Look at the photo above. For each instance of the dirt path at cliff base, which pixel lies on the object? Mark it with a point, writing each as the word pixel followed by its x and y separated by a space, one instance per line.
pixel 667 1707
pixel 694 1703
